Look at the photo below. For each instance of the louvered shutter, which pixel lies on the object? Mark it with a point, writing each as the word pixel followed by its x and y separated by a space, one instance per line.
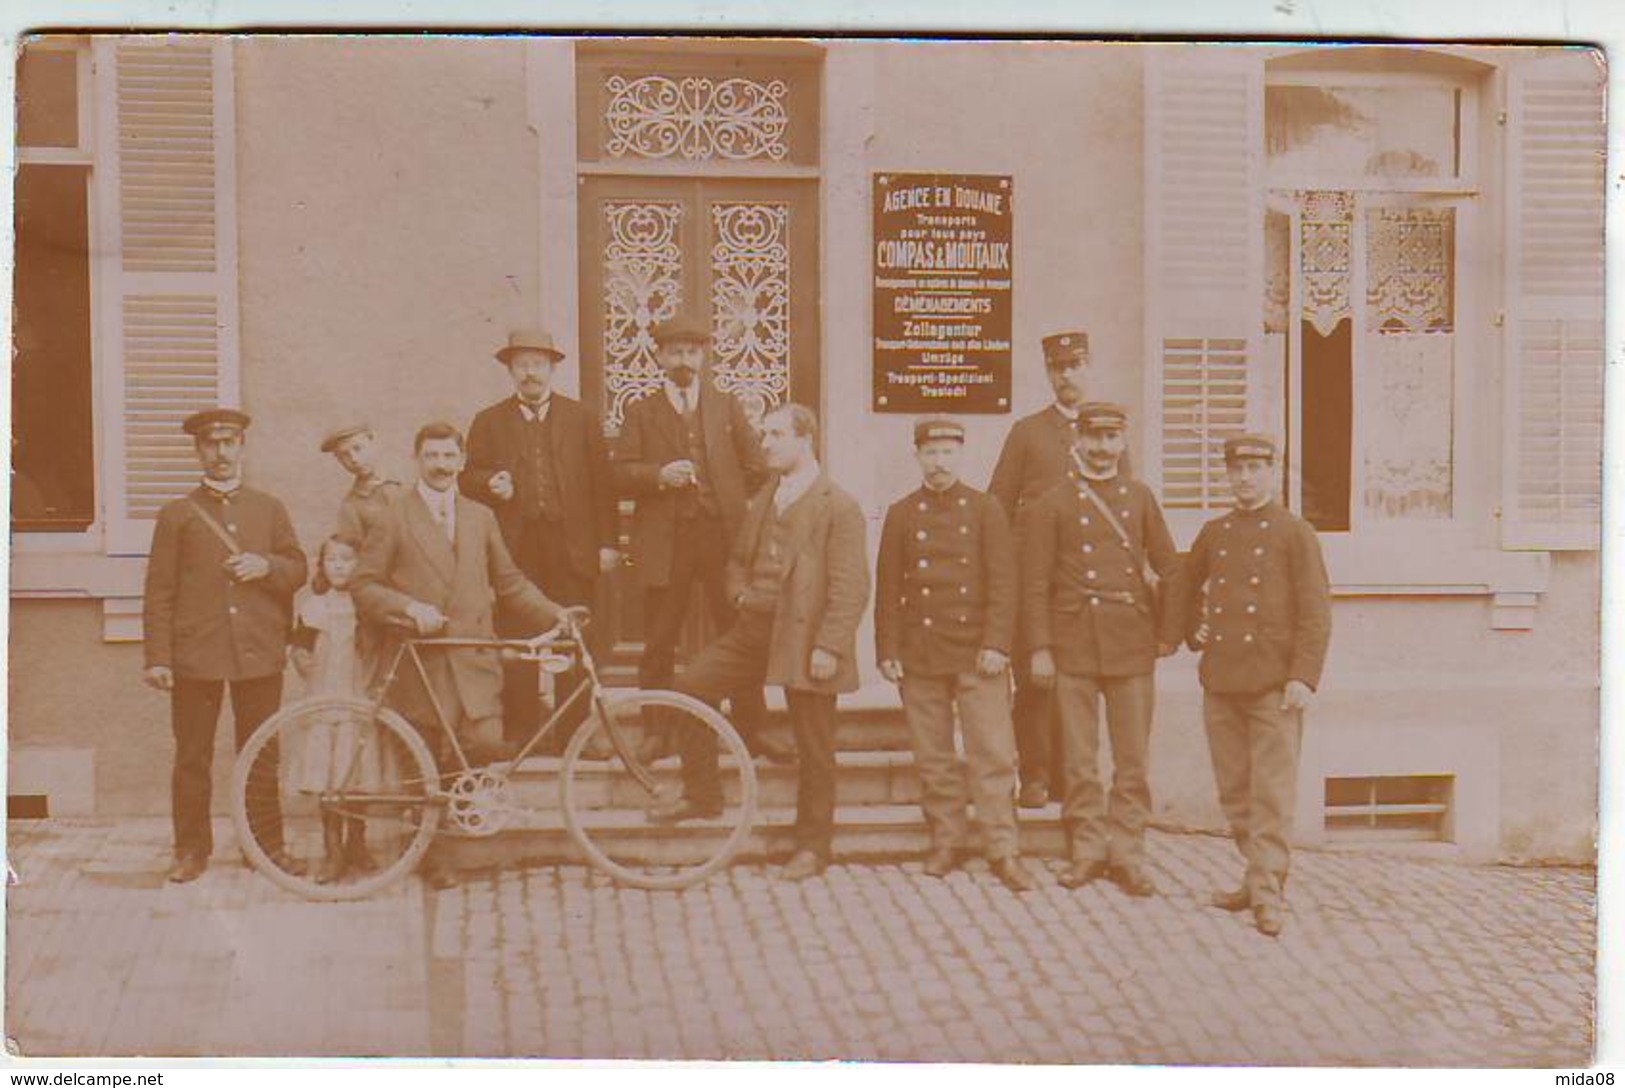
pixel 168 309
pixel 1552 479
pixel 1204 265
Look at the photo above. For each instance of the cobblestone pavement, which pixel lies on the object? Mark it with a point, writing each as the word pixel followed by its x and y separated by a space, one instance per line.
pixel 1385 960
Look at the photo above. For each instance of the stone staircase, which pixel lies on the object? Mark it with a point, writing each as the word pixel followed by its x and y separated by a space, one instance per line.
pixel 877 816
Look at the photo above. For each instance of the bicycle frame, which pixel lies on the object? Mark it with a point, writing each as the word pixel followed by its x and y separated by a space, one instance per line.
pixel 570 647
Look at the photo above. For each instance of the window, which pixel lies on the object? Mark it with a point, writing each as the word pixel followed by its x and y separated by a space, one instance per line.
pixel 1404 807
pixel 53 425
pixel 1369 179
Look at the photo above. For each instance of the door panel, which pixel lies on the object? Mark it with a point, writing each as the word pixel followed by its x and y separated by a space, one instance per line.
pixel 741 254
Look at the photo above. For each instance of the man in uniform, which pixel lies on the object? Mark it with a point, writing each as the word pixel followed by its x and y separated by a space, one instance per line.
pixel 689 457
pixel 538 460
pixel 354 447
pixel 217 610
pixel 1089 607
pixel 1254 599
pixel 945 615
pixel 799 581
pixel 1036 456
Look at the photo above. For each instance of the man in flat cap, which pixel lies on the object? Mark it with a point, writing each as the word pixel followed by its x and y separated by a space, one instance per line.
pixel 1095 547
pixel 1254 599
pixel 689 458
pixel 945 616
pixel 354 447
pixel 537 459
pixel 217 611
pixel 1036 456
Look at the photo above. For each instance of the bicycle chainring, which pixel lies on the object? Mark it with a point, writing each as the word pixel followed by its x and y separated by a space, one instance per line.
pixel 477 804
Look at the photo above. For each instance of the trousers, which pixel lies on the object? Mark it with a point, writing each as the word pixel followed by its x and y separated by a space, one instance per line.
pixel 732 662
pixel 1101 828
pixel 983 706
pixel 194 716
pixel 1255 747
pixel 545 560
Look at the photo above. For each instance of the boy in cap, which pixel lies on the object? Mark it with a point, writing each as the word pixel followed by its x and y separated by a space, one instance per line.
pixel 945 615
pixel 353 447
pixel 1090 615
pixel 1254 599
pixel 217 610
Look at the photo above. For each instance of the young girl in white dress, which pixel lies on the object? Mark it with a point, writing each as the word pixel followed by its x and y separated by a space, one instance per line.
pixel 327 655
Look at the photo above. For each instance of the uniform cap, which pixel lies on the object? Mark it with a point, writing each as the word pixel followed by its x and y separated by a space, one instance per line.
pixel 349 430
pixel 1249 445
pixel 1102 416
pixel 928 430
pixel 216 422
pixel 1064 348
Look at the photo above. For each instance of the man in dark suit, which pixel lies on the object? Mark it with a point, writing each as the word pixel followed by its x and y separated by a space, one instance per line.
pixel 538 460
pixel 434 563
pixel 1037 456
pixel 689 457
pixel 217 611
pixel 1253 597
pixel 1092 627
pixel 799 579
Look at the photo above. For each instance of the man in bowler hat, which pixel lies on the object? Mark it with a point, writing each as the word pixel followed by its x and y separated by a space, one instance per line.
pixel 217 611
pixel 689 458
pixel 537 459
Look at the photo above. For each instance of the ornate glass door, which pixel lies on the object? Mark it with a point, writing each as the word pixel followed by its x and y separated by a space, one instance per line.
pixel 740 254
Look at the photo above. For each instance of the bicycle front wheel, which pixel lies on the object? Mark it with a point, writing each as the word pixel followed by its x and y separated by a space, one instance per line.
pixel 334 798
pixel 610 797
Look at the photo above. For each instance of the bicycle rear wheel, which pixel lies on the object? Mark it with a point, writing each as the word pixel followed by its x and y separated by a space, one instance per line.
pixel 606 800
pixel 335 798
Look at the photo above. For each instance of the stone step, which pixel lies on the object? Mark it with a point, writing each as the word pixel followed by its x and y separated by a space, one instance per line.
pixel 869 833
pixel 861 778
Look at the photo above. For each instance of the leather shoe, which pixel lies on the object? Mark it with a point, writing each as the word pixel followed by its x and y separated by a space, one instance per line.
pixel 803 866
pixel 1267 917
pixel 187 868
pixel 1033 795
pixel 1134 881
pixel 1235 902
pixel 941 861
pixel 775 749
pixel 1013 874
pixel 288 863
pixel 679 809
pixel 1080 873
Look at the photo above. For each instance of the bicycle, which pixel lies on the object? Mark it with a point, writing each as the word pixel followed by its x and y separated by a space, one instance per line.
pixel 382 785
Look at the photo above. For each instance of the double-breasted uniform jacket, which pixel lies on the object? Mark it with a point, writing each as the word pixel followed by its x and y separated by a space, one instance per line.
pixel 825 586
pixel 652 437
pixel 946 581
pixel 407 558
pixel 1037 455
pixel 200 622
pixel 1085 594
pixel 580 466
pixel 1258 579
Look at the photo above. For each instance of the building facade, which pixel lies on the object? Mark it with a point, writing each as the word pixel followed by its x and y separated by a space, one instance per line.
pixel 1390 258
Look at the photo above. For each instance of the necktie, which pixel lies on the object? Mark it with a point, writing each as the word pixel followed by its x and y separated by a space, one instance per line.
pixel 442 513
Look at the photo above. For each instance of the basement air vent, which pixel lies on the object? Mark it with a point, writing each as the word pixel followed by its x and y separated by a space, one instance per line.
pixel 1390 807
